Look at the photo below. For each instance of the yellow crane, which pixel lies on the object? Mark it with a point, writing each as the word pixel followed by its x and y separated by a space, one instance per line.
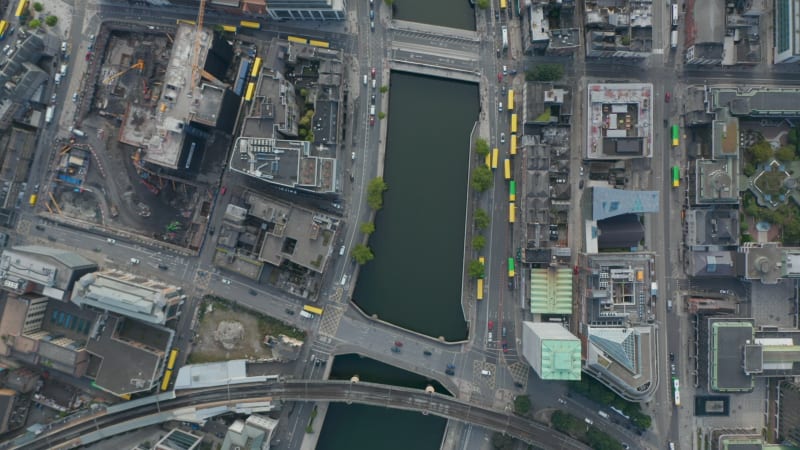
pixel 197 35
pixel 139 65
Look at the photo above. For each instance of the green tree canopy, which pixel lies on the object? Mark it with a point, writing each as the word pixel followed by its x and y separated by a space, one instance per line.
pixel 481 147
pixel 381 115
pixel 599 440
pixel 35 23
pixel 785 153
pixel 566 423
pixel 38 7
pixel 502 441
pixel 481 219
pixel 481 178
pixel 478 242
pixel 384 89
pixel 545 72
pixel 475 269
pixel 522 404
pixel 362 254
pixel 760 152
pixel 482 4
pixel 367 228
pixel 375 191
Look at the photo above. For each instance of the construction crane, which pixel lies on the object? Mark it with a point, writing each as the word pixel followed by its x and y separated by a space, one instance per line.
pixel 201 12
pixel 139 65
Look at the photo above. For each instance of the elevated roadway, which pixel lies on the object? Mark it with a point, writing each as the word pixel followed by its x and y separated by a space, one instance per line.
pixel 94 427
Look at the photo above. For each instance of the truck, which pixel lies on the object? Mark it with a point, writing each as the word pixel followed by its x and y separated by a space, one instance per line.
pixel 673 39
pixel 76 132
pixel 48 114
pixel 504 30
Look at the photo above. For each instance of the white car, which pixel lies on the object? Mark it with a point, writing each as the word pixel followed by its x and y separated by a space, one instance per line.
pixel 226 281
pixel 134 261
pixel 111 241
pixel 502 138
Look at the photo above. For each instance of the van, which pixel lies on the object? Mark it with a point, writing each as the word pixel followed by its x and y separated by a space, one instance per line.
pixel 603 414
pixel 374 84
pixel 372 110
pixel 365 80
pixel 485 373
pixel 63 71
pixel 306 315
pixel 57 79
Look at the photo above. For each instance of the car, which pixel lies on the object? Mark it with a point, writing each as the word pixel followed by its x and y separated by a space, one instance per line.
pixel 223 190
pixel 580 184
pixel 451 366
pixel 253 292
pixel 626 446
pixel 371 14
pixel 581 170
pixel 211 230
pixel 486 373
pixel 289 311
pixel 490 325
pixel 499 77
pixel 503 90
pixel 91 37
pixel 53 97
pixel 505 70
pixel 502 138
pixel 36 188
pixel 427 353
pixel 398 344
pixel 372 26
pixel 74 96
pixel 496 14
pixel 671 356
pixel 562 401
pixel 163 267
pixel 504 345
pixel 372 72
pixel 450 372
pixel 396 349
pixel 724 291
pixel 135 261
pixel 667 96
pixel 504 332
pixel 371 120
pixel 499 106
pixel 353 156
pixel 88 55
pixel 226 281
pixel 111 241
pixel 673 369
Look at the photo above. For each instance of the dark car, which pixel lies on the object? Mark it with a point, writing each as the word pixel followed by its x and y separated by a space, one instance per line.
pixel 51 238
pixel 253 292
pixel 580 184
pixel 163 267
pixel 289 311
pixel 396 349
pixel 505 346
pixel 40 227
pixel 672 357
pixel 427 353
pixel 398 344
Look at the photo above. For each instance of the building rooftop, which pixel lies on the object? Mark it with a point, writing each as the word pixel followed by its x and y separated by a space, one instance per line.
pixel 551 291
pixel 607 202
pixel 757 101
pixel 715 227
pixel 53 270
pixel 564 38
pixel 727 340
pixel 292 234
pixel 160 131
pixel 713 263
pixel 539 24
pixel 552 350
pixel 178 440
pixel 620 232
pixel 621 358
pixel 619 121
pixel 131 355
pixel 769 262
pixel 127 294
pixel 254 433
pixel 192 376
pixel 717 181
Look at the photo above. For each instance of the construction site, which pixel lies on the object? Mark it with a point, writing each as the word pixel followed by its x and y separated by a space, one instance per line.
pixel 149 148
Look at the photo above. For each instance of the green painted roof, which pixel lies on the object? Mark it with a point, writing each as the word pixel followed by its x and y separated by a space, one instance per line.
pixel 551 291
pixel 561 359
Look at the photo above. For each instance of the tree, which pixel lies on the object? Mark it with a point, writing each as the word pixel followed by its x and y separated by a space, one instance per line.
pixel 219 28
pixel 481 178
pixel 785 153
pixel 601 441
pixel 303 92
pixel 38 7
pixel 481 147
pixel 522 404
pixel 367 228
pixel 475 269
pixel 375 191
pixel 384 89
pixel 749 170
pixel 502 441
pixel 545 72
pixel 481 219
pixel 760 152
pixel 566 423
pixel 381 115
pixel 478 242
pixel 483 4
pixel 362 254
pixel 35 23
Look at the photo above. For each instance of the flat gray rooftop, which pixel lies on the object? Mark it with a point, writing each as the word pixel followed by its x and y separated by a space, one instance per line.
pixel 728 339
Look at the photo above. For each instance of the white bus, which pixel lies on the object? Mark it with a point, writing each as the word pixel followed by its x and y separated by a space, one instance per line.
pixel 505 37
pixel 674 14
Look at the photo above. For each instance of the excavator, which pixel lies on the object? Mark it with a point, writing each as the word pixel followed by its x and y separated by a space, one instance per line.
pixel 139 65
